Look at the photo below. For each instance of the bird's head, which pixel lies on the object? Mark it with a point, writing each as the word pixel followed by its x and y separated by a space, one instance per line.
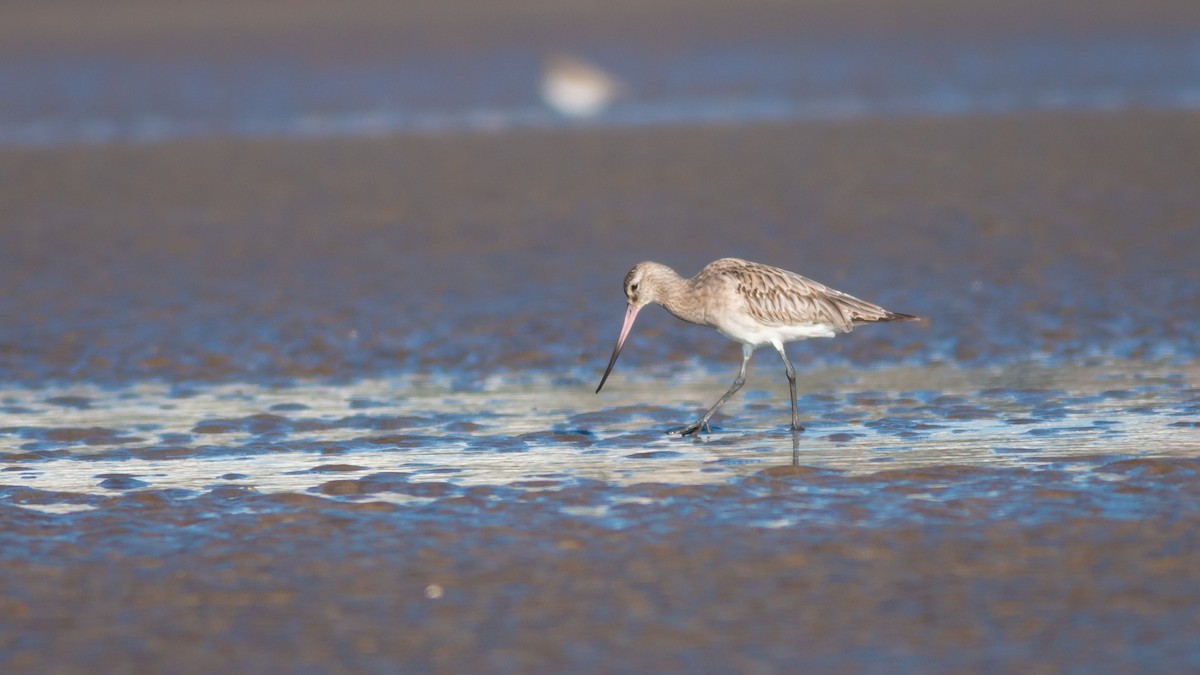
pixel 643 285
pixel 645 281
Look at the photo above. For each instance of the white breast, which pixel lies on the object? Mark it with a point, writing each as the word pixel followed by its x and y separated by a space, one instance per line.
pixel 750 332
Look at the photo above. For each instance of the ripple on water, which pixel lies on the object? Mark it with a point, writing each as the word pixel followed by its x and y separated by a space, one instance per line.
pixel 120 481
pixel 416 446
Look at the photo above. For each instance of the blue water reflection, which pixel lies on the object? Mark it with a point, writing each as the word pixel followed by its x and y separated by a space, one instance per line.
pixel 101 99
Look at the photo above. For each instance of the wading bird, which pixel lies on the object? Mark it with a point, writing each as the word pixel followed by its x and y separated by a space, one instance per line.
pixel 750 303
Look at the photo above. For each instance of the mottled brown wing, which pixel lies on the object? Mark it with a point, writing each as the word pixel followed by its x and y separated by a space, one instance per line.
pixel 778 297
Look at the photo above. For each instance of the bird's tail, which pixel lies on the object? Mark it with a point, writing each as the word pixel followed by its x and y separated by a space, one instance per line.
pixel 896 316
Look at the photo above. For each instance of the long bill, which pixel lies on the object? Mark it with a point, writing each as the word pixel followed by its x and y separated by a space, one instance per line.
pixel 631 313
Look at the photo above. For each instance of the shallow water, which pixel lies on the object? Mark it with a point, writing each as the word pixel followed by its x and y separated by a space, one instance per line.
pixel 946 508
pixel 393 439
pixel 105 97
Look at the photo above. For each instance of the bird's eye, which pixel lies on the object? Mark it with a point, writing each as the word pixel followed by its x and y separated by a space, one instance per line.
pixel 633 287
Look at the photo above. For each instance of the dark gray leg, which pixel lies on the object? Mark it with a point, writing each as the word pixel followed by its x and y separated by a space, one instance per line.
pixel 791 375
pixel 702 423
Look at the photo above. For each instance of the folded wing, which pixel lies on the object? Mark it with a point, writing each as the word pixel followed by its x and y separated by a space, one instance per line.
pixel 778 297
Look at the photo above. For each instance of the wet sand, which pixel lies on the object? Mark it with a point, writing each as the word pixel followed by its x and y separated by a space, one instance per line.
pixel 325 406
pixel 128 263
pixel 1061 236
pixel 233 581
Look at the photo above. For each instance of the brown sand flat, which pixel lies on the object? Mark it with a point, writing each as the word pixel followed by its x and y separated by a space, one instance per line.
pixel 377 24
pixel 149 583
pixel 993 227
pixel 342 29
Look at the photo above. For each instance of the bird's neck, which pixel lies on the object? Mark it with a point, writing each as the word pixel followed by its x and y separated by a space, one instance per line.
pixel 676 296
